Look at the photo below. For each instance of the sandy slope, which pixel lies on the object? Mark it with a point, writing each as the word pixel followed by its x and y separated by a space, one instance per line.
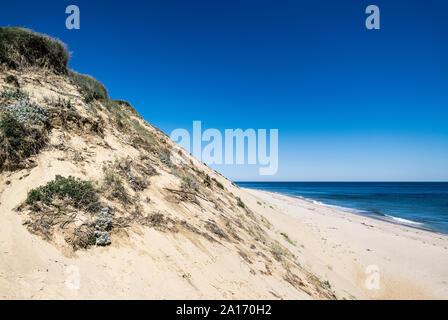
pixel 219 241
pixel 148 265
pixel 208 246
pixel 412 263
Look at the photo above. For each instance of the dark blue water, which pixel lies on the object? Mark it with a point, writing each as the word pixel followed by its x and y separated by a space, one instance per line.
pixel 418 204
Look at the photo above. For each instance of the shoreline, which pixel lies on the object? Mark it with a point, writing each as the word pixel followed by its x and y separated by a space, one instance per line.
pixel 341 246
pixel 371 216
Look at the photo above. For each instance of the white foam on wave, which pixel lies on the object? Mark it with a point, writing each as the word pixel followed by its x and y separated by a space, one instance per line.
pixel 332 206
pixel 405 221
pixel 351 210
pixel 358 211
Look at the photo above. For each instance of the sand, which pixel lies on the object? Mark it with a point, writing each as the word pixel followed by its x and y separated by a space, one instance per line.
pixel 206 246
pixel 411 263
pixel 271 247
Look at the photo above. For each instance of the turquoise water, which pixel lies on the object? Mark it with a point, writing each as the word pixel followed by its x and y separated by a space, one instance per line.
pixel 418 204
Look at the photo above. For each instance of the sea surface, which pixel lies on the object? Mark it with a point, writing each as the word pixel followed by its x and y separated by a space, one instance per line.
pixel 417 204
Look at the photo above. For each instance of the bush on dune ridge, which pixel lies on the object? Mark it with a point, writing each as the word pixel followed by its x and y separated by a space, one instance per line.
pixel 22 48
pixel 90 88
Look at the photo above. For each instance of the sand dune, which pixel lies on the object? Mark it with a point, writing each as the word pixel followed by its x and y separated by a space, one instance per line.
pixel 93 205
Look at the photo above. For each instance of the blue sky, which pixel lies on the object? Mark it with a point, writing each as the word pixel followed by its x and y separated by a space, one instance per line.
pixel 350 103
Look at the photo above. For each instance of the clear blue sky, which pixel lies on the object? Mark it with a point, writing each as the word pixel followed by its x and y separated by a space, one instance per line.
pixel 350 104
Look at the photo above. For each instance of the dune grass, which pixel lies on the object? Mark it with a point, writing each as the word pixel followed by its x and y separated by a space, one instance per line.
pixel 22 48
pixel 89 87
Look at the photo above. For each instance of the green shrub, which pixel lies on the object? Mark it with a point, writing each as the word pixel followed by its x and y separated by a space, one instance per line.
pixel 326 285
pixel 188 183
pixel 277 250
pixel 126 106
pixel 11 79
pixel 114 184
pixel 12 131
pixel 17 141
pixel 207 180
pixel 165 159
pixel 240 203
pixel 21 48
pixel 14 94
pixel 219 184
pixel 81 194
pixel 287 238
pixel 89 87
pixel 143 132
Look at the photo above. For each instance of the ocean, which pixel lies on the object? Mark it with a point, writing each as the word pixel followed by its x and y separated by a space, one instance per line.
pixel 417 204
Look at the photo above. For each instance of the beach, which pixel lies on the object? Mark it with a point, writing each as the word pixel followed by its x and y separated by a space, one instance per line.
pixel 363 257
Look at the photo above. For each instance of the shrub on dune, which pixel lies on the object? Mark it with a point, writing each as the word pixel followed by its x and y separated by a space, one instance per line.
pixel 22 48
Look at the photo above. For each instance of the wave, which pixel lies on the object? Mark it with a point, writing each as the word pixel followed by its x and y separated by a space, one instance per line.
pixel 333 206
pixel 403 221
pixel 366 212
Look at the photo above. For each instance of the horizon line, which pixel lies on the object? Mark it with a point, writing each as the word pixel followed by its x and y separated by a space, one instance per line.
pixel 362 181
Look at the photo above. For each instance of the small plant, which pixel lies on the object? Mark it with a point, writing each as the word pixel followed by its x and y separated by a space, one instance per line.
pixel 213 227
pixel 103 221
pixel 14 94
pixel 102 238
pixel 80 194
pixel 259 203
pixel 326 285
pixel 156 220
pixel 277 251
pixel 287 238
pixel 188 183
pixel 25 111
pixel 60 102
pixel 240 203
pixel 265 222
pixel 142 131
pixel 11 79
pixel 219 184
pixel 137 183
pixel 114 183
pixel 165 158
pixel 17 142
pixel 207 181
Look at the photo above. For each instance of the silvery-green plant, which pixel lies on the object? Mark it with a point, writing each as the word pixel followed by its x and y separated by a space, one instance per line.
pixel 104 220
pixel 26 111
pixel 102 238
